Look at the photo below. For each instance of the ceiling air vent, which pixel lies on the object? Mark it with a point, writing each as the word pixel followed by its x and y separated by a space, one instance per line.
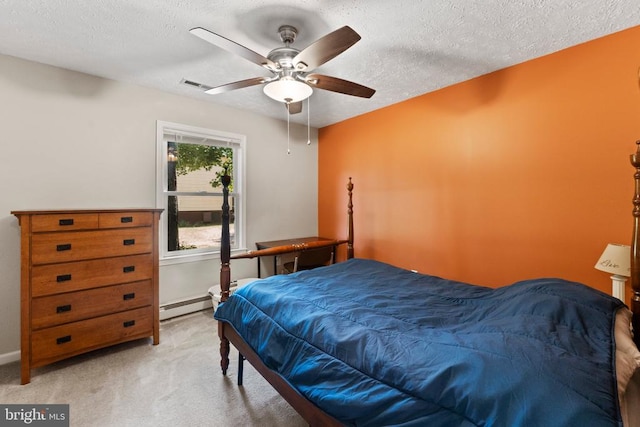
pixel 195 84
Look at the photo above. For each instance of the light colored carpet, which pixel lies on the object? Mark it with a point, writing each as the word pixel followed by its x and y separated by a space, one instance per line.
pixel 176 383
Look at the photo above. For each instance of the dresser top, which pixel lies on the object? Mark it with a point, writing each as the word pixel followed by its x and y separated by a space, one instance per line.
pixel 70 211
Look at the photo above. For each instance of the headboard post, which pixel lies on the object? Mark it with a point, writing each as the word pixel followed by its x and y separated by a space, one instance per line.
pixel 350 214
pixel 225 271
pixel 635 249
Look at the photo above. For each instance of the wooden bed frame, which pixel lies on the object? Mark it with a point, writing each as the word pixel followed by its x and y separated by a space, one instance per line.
pixel 308 410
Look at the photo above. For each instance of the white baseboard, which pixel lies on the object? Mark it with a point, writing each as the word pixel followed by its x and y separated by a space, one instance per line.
pixel 14 356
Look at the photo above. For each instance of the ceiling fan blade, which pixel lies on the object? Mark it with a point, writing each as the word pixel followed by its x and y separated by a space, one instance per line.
pixel 294 107
pixel 325 48
pixel 335 84
pixel 233 47
pixel 236 85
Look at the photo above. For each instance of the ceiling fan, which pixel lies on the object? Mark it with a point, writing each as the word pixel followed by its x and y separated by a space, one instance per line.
pixel 292 80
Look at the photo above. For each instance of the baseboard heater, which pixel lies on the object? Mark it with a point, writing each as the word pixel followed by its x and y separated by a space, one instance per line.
pixel 179 308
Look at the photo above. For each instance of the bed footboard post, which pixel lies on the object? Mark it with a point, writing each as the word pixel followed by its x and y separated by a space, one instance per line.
pixel 225 349
pixel 350 253
pixel 635 254
pixel 225 271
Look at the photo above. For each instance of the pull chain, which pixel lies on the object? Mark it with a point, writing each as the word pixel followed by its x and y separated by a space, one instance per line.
pixel 288 138
pixel 308 124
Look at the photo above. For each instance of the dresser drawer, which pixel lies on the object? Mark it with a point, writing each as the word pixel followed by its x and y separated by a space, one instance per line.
pixel 75 276
pixel 47 248
pixel 125 219
pixel 59 342
pixel 64 222
pixel 72 306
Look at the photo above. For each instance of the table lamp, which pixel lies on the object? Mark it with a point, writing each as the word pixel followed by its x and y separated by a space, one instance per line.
pixel 616 259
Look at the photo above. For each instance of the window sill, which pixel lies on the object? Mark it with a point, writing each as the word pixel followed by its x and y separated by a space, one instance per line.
pixel 182 259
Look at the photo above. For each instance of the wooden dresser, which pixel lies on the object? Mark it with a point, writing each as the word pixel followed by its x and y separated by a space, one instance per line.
pixel 89 279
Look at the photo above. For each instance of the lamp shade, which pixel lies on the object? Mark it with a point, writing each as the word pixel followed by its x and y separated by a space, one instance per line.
pixel 288 90
pixel 616 259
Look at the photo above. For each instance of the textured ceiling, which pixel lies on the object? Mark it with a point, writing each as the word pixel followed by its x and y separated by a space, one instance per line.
pixel 408 47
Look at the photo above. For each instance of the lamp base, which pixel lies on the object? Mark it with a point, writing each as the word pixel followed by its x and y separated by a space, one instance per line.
pixel 618 286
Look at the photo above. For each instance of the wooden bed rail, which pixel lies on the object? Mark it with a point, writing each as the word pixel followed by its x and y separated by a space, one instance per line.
pixel 635 249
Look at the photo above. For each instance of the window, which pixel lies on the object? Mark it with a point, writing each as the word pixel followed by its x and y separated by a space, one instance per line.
pixel 191 162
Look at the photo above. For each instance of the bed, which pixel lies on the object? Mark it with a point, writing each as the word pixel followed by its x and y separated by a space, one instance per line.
pixel 365 343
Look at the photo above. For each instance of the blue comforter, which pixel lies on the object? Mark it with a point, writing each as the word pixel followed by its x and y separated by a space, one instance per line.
pixel 375 345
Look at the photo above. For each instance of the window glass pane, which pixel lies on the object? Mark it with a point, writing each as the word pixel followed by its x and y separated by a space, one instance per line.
pixel 195 222
pixel 197 167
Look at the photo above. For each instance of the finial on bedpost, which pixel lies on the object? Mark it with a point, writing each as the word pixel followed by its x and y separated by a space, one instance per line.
pixel 225 271
pixel 350 214
pixel 635 254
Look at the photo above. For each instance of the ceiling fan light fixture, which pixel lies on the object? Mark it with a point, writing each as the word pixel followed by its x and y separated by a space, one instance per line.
pixel 288 90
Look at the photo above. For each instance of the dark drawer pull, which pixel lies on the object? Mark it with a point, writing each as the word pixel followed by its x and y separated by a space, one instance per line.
pixel 66 221
pixel 63 308
pixel 126 219
pixel 64 247
pixel 129 269
pixel 129 323
pixel 63 340
pixel 63 278
pixel 126 297
pixel 129 242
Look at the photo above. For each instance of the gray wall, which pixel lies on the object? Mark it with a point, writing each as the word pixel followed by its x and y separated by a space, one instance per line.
pixel 70 140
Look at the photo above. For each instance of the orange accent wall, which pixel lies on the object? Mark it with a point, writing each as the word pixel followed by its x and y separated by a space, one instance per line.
pixel 517 174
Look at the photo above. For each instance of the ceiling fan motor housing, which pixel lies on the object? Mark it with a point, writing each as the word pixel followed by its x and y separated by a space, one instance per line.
pixel 283 56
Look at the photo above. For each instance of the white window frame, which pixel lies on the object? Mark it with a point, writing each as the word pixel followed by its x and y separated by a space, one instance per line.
pixel 238 141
